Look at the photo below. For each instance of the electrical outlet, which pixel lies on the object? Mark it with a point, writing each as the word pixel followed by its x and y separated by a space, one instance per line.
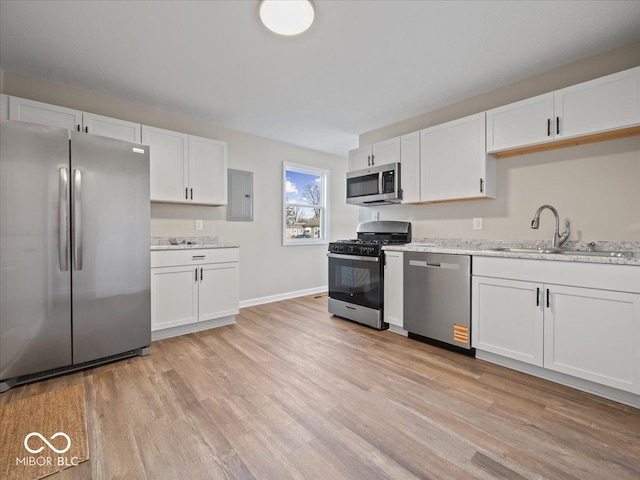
pixel 477 223
pixel 376 216
pixel 198 224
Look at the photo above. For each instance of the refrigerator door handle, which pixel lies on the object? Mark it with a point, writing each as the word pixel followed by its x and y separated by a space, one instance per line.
pixel 63 219
pixel 77 220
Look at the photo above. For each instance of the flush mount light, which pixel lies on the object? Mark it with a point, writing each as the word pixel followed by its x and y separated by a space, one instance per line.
pixel 287 17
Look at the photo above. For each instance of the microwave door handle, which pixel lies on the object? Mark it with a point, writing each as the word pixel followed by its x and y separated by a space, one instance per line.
pixel 380 183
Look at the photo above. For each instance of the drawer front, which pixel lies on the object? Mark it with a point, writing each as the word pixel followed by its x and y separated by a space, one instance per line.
pixel 169 258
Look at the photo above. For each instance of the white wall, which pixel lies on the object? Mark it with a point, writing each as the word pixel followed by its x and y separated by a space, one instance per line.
pixel 267 268
pixel 596 186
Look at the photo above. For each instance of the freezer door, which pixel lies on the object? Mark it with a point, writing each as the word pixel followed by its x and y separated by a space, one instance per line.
pixel 35 282
pixel 110 246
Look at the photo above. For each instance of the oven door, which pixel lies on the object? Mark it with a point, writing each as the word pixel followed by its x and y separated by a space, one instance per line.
pixel 355 279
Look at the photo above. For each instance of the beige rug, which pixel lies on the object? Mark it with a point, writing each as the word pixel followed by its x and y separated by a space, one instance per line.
pixel 43 434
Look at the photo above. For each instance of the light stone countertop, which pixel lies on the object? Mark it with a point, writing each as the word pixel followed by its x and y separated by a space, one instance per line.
pixel 479 248
pixel 188 243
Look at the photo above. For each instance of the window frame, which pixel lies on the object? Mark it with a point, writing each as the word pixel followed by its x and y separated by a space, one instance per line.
pixel 324 207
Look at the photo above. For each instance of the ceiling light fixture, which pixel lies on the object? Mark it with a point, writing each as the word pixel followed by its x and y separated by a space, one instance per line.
pixel 287 17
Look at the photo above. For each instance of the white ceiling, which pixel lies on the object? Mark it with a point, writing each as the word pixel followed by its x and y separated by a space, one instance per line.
pixel 361 66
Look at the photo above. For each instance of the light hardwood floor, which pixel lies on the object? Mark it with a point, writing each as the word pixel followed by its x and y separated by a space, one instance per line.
pixel 292 392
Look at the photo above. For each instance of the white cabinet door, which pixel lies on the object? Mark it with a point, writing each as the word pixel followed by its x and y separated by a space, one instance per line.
pixel 521 123
pixel 606 103
pixel 4 106
pixel 111 127
pixel 507 318
pixel 387 151
pixel 410 167
pixel 44 114
pixel 207 170
pixel 453 161
pixel 593 334
pixel 168 164
pixel 174 296
pixel 393 291
pixel 360 158
pixel 218 290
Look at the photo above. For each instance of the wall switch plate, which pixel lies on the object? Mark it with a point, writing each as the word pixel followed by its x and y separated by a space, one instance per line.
pixel 477 223
pixel 198 224
pixel 376 216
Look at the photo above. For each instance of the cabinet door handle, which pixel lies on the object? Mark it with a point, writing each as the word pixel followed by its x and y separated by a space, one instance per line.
pixel 196 275
pixel 368 160
pixel 86 129
pixel 192 194
pixel 481 185
pixel 557 125
pixel 548 295
pixel 548 127
pixel 78 127
pixel 538 297
pixel 373 162
pixel 186 193
pixel 200 274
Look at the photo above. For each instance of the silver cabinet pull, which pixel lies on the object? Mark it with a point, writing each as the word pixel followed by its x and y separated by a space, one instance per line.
pixel 63 219
pixel 198 257
pixel 77 219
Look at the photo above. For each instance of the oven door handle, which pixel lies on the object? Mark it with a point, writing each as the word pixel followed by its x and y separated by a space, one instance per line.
pixel 353 257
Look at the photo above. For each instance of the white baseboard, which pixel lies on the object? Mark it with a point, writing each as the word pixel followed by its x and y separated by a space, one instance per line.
pixel 605 391
pixel 282 296
pixel 192 327
pixel 398 330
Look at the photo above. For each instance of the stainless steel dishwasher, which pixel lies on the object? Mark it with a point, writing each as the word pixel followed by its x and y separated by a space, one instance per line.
pixel 437 298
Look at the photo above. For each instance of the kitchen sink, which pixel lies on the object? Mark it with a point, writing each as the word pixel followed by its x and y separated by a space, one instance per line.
pixel 564 251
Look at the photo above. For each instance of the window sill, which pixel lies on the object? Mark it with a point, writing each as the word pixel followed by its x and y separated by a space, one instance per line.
pixel 305 241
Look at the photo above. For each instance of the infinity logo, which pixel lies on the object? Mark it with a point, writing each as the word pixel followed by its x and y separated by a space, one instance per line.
pixel 36 434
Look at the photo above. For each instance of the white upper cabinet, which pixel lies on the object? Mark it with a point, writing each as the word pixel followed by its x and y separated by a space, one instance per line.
pixel 387 151
pixel 381 153
pixel 603 104
pixel 168 164
pixel 410 167
pixel 4 106
pixel 526 122
pixel 360 158
pixel 111 127
pixel 54 116
pixel 185 168
pixel 44 114
pixel 208 170
pixel 453 161
pixel 600 109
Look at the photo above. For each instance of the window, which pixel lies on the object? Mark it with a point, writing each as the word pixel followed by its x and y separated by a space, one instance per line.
pixel 305 212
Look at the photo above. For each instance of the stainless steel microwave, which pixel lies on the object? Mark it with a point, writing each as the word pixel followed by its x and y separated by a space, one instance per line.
pixel 378 185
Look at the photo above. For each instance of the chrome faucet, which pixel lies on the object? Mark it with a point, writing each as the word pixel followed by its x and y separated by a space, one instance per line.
pixel 558 239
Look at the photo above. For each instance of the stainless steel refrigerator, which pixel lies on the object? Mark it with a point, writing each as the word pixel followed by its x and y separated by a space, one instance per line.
pixel 74 251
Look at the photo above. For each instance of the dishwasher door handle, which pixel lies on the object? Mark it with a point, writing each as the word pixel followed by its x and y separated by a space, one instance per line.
pixel 422 263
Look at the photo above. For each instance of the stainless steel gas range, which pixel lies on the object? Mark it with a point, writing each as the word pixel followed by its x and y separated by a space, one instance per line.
pixel 356 271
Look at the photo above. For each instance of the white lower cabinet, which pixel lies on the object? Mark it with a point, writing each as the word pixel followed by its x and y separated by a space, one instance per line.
pixel 593 334
pixel 174 294
pixel 190 286
pixel 393 291
pixel 507 318
pixel 586 324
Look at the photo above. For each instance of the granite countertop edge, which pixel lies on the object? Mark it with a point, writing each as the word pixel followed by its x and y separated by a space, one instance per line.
pixel 155 248
pixel 481 250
